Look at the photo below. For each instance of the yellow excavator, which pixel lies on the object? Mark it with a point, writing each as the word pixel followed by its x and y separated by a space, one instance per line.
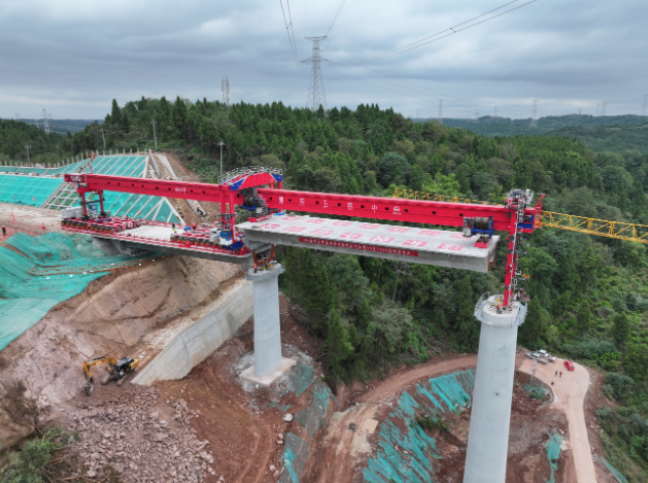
pixel 117 369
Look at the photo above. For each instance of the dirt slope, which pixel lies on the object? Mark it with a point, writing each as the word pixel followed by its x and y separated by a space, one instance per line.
pixel 111 316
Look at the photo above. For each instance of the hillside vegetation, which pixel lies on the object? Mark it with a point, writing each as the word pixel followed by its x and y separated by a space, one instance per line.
pixel 609 138
pixel 589 298
pixel 504 126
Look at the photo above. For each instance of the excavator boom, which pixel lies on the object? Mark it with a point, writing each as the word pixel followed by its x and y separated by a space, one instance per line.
pixel 117 370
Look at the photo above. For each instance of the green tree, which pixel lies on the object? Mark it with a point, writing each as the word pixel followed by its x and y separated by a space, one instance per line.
pixel 391 169
pixel 28 465
pixel 562 303
pixel 621 328
pixel 534 328
pixel 636 361
pixel 115 114
pixel 391 323
pixel 417 177
pixel 466 325
pixel 338 344
pixel 588 267
pixel 584 316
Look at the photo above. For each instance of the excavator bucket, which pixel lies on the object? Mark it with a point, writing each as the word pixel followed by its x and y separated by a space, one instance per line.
pixel 88 388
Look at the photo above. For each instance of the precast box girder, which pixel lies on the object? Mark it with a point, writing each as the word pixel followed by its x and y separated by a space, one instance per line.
pixel 408 244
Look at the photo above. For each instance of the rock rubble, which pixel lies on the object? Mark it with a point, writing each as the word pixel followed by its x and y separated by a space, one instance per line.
pixel 142 440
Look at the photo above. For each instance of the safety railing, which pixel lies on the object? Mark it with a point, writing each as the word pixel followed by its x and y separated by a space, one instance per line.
pixel 416 195
pixel 160 242
pixel 237 173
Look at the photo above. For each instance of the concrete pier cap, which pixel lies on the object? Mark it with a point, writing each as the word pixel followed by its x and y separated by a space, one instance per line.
pixel 492 397
pixel 268 363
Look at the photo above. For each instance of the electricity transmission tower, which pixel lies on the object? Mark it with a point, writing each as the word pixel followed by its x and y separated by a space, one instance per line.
pixel 441 111
pixel 534 122
pixel 103 136
pixel 154 135
pixel 604 109
pixel 46 126
pixel 225 89
pixel 645 105
pixel 316 93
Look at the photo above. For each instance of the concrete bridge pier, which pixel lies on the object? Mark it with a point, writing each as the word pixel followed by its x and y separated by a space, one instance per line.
pixel 268 362
pixel 493 394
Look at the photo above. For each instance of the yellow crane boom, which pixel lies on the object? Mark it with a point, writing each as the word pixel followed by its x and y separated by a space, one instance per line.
pixel 579 224
pixel 592 226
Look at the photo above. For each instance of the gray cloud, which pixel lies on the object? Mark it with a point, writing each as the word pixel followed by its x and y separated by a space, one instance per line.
pixel 73 56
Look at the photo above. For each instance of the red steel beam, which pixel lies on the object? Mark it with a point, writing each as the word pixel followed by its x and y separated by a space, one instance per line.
pixel 412 211
pixel 152 187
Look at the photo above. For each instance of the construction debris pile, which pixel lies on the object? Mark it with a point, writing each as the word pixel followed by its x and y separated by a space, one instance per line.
pixel 142 440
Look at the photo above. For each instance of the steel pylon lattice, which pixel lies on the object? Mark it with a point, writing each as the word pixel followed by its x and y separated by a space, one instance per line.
pixel 316 93
pixel 225 88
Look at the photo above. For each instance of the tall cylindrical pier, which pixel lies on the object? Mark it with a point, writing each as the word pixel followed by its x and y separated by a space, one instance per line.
pixel 491 406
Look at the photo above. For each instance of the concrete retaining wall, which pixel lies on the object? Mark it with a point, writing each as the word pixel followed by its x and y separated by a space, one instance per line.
pixel 195 343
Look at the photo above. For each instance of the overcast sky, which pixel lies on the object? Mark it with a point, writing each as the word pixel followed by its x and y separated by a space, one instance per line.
pixel 72 57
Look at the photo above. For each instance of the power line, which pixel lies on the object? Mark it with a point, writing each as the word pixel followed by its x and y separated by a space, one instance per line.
pixel 289 29
pixel 401 92
pixel 336 16
pixel 447 32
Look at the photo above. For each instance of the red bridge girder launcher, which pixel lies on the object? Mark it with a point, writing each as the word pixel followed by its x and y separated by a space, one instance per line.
pixel 259 190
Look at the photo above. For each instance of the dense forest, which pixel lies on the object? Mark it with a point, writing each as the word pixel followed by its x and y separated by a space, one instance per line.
pixel 504 126
pixel 15 135
pixel 589 299
pixel 609 138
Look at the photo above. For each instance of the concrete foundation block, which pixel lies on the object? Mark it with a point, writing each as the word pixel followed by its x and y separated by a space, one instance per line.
pixel 249 375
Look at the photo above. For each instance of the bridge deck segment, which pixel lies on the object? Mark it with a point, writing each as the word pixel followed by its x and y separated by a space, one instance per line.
pixel 408 244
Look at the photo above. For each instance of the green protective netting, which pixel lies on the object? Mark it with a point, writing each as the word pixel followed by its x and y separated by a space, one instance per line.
pixel 139 206
pixel 294 458
pixel 297 381
pixel 27 190
pixel 449 393
pixel 26 298
pixel 616 473
pixel 535 392
pixel 36 190
pixel 553 453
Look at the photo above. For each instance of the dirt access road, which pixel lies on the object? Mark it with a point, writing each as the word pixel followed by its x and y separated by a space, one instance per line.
pixel 569 395
pixel 344 447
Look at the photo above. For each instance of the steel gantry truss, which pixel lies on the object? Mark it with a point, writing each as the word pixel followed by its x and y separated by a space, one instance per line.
pixel 580 224
pixel 592 226
pixel 260 190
